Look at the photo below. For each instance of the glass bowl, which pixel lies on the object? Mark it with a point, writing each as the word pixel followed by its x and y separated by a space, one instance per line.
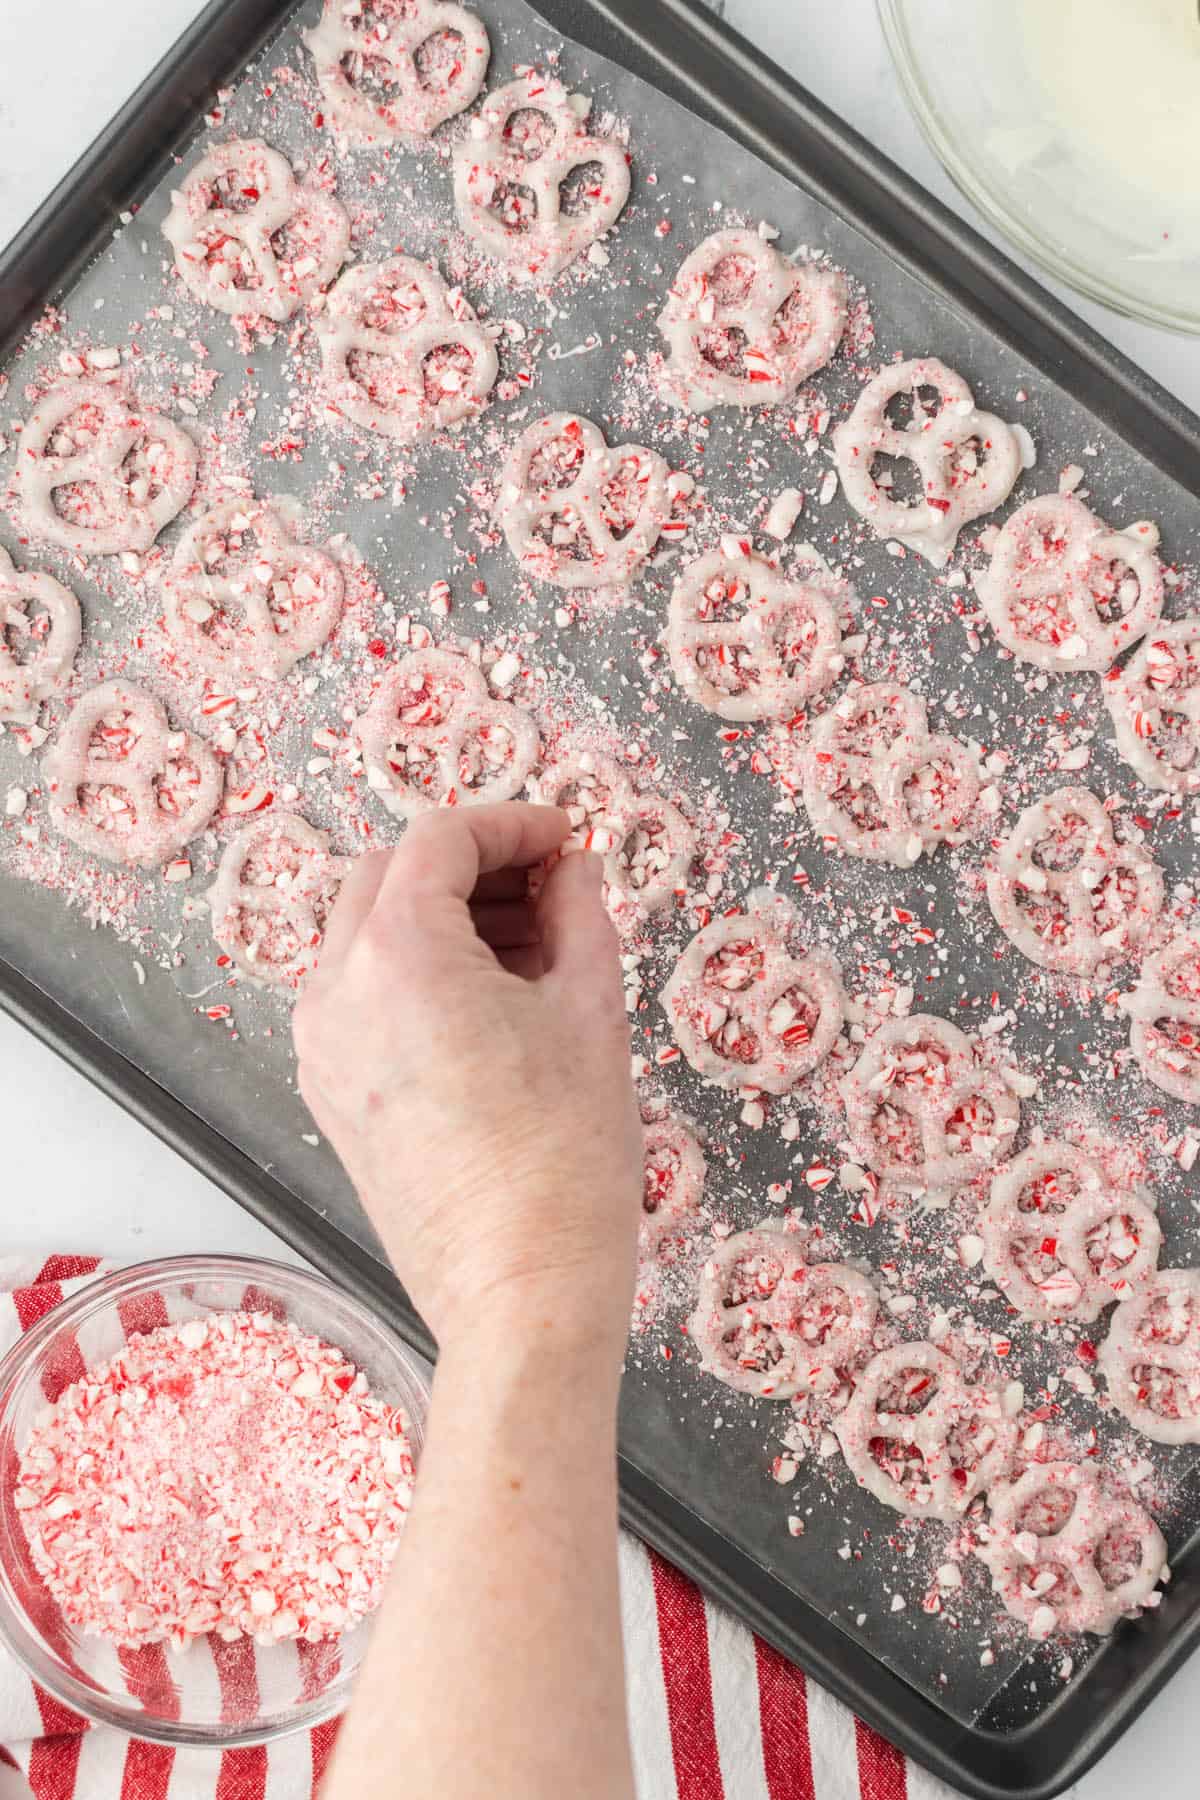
pixel 1022 101
pixel 211 1694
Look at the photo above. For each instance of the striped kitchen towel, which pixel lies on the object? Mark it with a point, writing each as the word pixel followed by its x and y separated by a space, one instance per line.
pixel 715 1714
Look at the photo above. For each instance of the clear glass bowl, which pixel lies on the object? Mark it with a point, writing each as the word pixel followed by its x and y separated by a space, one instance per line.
pixel 209 1695
pixel 1033 139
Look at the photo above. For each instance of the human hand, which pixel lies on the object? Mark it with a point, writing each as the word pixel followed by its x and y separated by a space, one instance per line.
pixel 467 1054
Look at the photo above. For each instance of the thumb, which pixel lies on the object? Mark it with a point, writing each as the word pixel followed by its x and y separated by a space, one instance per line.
pixel 578 941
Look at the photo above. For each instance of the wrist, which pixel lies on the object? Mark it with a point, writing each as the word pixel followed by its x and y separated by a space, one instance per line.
pixel 523 1334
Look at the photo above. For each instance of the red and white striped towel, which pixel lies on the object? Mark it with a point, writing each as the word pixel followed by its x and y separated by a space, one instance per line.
pixel 715 1713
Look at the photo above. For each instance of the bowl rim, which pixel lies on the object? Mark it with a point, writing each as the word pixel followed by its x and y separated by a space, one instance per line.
pixel 990 200
pixel 98 1295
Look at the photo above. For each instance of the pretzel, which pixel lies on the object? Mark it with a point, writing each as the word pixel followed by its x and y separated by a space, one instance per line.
pixel 968 461
pixel 1164 1012
pixel 646 843
pixel 745 1012
pixel 673 1182
pixel 1059 1242
pixel 402 353
pixel 397 69
pixel 1069 1551
pixel 879 785
pixel 513 170
pixel 247 239
pixel 1151 1358
pixel 98 474
pixel 1064 592
pixel 244 596
pixel 575 512
pixel 921 1438
pixel 1155 706
pixel 769 1324
pixel 745 327
pixel 1066 893
pixel 275 886
pixel 747 642
pixel 434 736
pixel 123 785
pixel 39 637
pixel 923 1112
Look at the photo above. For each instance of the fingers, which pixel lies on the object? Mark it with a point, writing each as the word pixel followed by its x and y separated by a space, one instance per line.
pixel 445 854
pixel 527 962
pixel 502 884
pixel 355 899
pixel 578 940
pixel 506 924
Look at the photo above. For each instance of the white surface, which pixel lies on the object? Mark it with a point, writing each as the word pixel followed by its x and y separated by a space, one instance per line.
pixel 79 1175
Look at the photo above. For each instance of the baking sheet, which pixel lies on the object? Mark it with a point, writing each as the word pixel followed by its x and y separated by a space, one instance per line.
pixel 696 1440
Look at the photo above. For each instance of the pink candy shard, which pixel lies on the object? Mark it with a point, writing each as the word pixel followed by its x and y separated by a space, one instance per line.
pixel 1151 1357
pixel 745 1011
pixel 1064 592
pixel 1164 1013
pixel 403 354
pixel 122 784
pixel 967 461
pixel 576 513
pixel 1059 1241
pixel 39 638
pixel 673 1183
pixel 878 784
pixel 434 736
pixel 1067 894
pixel 646 843
pixel 244 596
pixel 532 186
pixel 920 1437
pixel 394 70
pixel 1070 1549
pixel 275 887
pixel 924 1112
pixel 1154 701
pixel 747 642
pixel 770 1324
pixel 98 474
pixel 745 327
pixel 247 239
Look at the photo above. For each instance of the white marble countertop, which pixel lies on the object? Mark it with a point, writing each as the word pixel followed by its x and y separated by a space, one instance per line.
pixel 83 1176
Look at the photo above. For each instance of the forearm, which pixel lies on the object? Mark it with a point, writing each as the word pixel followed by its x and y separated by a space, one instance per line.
pixel 496 1665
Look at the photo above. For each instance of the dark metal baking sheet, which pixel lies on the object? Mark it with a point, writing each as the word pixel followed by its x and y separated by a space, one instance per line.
pixel 972 292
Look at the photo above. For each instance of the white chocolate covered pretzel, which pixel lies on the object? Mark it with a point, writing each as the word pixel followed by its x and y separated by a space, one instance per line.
pixel 1151 1358
pixel 673 1182
pixel 747 642
pixel 397 69
pixel 576 512
pixel 39 636
pixel 1154 701
pixel 878 784
pixel 247 239
pixel 745 327
pixel 403 354
pixel 967 461
pixel 646 843
pixel 1070 1550
pixel 1066 893
pixel 532 187
pixel 434 736
pixel 99 474
pixel 1059 1241
pixel 924 1112
pixel 244 596
pixel 920 1437
pixel 1164 1013
pixel 745 1011
pixel 771 1324
pixel 1064 592
pixel 122 784
pixel 275 886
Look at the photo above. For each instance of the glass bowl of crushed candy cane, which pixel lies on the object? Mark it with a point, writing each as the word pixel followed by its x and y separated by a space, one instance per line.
pixel 206 1465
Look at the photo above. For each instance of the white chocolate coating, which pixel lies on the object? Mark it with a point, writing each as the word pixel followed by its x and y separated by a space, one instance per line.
pixel 39 638
pixel 1154 701
pixel 646 843
pixel 1164 1013
pixel 403 354
pixel 1151 1358
pixel 247 239
pixel 274 888
pixel 395 72
pixel 674 1172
